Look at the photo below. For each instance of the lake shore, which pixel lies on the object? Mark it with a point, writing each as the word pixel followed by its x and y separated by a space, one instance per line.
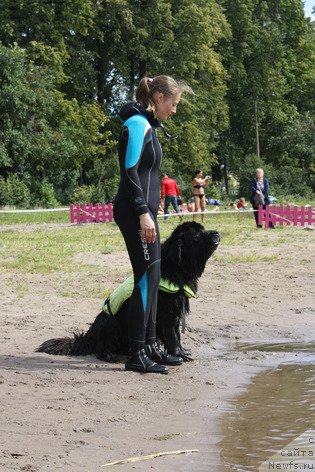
pixel 76 414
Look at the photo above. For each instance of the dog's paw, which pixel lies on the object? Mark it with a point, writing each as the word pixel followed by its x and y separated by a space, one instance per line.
pixel 185 354
pixel 186 358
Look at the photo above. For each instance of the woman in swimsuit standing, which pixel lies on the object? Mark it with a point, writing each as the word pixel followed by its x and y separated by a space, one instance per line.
pixel 199 184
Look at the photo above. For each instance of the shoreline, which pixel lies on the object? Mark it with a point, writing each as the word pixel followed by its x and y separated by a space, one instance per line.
pixel 198 395
pixel 78 413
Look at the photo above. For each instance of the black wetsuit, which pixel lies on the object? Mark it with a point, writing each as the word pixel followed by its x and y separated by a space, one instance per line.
pixel 140 157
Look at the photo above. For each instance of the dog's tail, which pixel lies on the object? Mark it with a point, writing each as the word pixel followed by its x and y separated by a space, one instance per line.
pixel 68 346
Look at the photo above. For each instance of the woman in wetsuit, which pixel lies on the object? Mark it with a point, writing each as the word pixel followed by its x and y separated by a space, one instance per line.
pixel 135 211
pixel 199 183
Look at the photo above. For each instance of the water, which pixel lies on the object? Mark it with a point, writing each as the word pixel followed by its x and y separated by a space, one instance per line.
pixel 307 347
pixel 271 426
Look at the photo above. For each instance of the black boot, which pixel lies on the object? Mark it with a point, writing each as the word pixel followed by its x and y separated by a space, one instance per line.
pixel 140 362
pixel 156 354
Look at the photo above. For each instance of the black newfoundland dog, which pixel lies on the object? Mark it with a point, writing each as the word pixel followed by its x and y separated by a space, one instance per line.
pixel 183 260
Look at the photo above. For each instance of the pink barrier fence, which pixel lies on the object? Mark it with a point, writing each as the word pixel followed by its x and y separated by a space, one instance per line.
pixel 89 213
pixel 286 215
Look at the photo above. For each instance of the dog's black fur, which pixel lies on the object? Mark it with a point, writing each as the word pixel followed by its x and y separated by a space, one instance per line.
pixel 183 259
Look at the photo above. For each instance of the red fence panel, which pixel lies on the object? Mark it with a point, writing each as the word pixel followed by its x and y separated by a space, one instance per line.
pixel 285 215
pixel 87 213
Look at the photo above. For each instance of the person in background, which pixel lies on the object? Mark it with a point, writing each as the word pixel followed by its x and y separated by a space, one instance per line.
pixel 161 207
pixel 170 192
pixel 233 206
pixel 135 211
pixel 259 194
pixel 190 207
pixel 199 183
pixel 241 204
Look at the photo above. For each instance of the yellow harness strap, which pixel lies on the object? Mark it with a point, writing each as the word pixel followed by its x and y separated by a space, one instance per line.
pixel 115 300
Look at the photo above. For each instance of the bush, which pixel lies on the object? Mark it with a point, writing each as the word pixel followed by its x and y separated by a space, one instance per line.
pixel 14 192
pixel 91 194
pixel 83 194
pixel 284 181
pixel 290 181
pixel 43 195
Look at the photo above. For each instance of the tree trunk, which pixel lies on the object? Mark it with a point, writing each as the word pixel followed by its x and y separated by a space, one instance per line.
pixel 225 176
pixel 143 68
pixel 256 128
pixel 132 78
pixel 101 68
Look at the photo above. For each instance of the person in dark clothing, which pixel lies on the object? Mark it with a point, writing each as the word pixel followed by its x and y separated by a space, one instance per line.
pixel 135 211
pixel 259 194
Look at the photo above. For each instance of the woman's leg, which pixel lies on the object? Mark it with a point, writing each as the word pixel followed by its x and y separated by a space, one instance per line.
pixel 197 205
pixel 166 205
pixel 255 208
pixel 175 206
pixel 145 261
pixel 150 335
pixel 203 207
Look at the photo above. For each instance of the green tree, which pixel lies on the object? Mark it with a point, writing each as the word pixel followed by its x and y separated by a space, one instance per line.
pixel 43 135
pixel 193 55
pixel 264 60
pixel 179 38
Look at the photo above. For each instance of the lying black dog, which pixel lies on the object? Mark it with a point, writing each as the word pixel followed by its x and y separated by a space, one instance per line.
pixel 183 259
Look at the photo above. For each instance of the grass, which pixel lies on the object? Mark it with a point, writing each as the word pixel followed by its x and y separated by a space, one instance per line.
pixel 34 218
pixel 95 292
pixel 46 250
pixel 246 258
pixel 165 437
pixel 43 249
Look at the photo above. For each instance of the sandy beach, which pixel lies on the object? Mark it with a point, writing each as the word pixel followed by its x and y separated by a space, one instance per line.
pixel 76 414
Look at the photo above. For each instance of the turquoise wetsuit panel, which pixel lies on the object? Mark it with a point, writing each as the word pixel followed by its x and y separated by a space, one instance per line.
pixel 143 284
pixel 138 127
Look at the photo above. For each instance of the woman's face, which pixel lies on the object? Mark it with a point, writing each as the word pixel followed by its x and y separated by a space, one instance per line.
pixel 165 107
pixel 199 175
pixel 260 174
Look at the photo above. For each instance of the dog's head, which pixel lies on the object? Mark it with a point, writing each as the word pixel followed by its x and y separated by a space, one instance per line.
pixel 186 251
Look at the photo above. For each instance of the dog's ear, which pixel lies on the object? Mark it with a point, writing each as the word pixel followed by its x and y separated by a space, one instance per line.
pixel 172 249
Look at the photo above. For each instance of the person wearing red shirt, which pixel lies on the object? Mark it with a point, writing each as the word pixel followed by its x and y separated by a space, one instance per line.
pixel 171 193
pixel 241 205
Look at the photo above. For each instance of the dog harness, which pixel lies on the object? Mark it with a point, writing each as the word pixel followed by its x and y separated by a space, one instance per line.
pixel 115 300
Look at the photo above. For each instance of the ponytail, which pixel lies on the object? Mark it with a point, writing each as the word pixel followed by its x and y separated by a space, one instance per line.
pixel 144 93
pixel 162 83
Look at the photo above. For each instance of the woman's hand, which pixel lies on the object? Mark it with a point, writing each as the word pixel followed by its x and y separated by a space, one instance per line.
pixel 148 231
pixel 207 180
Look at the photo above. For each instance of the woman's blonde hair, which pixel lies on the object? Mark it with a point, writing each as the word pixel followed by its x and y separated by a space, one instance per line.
pixel 259 170
pixel 162 83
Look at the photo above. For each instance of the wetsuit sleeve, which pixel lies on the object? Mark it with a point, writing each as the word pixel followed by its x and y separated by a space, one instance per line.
pixel 136 133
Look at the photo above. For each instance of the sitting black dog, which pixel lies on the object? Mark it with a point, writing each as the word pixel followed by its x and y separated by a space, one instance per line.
pixel 183 258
